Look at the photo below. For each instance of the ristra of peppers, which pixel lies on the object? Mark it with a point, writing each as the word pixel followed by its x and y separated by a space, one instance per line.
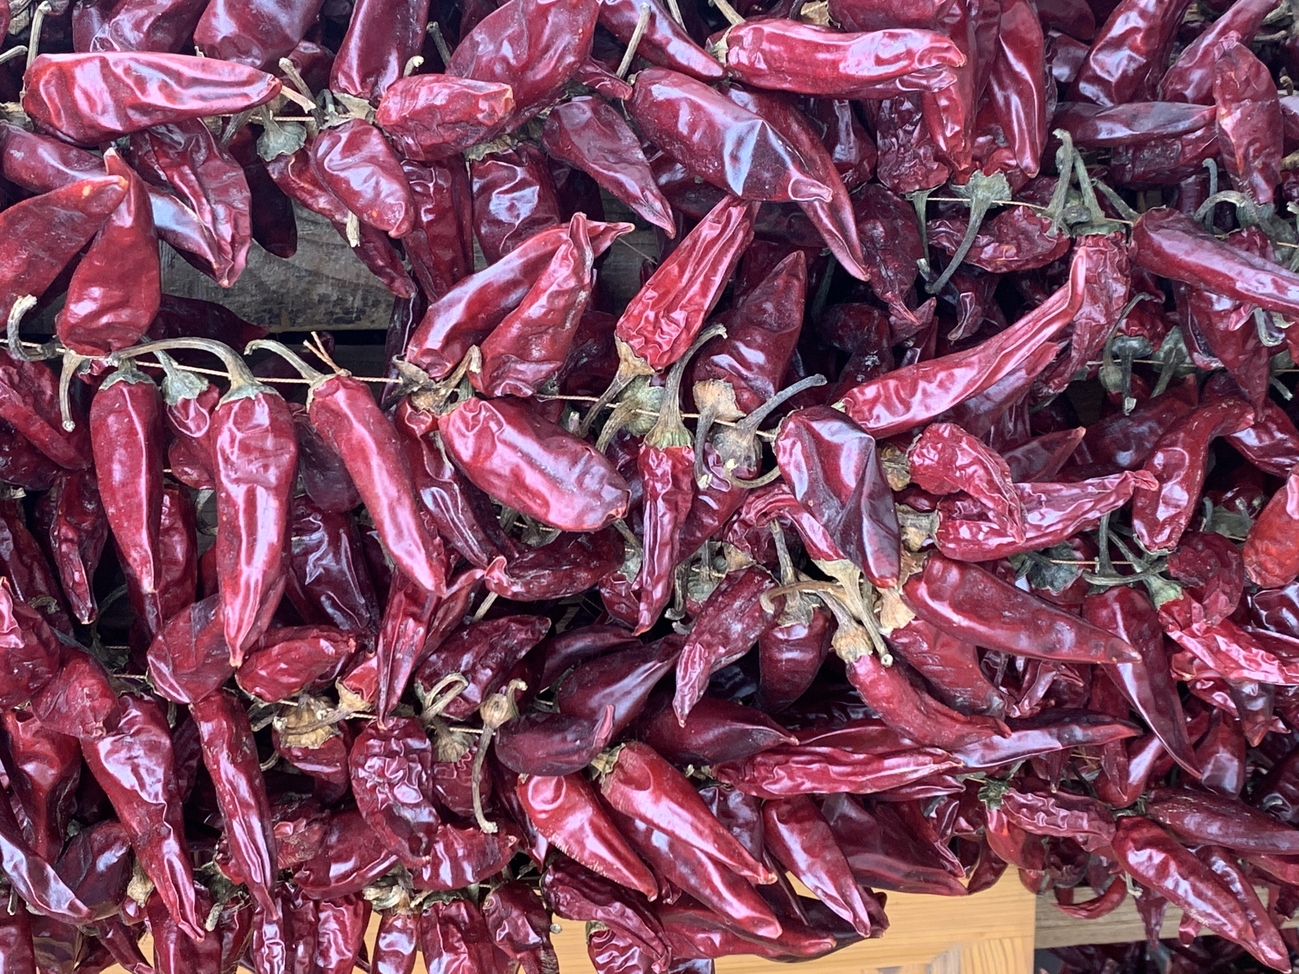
pixel 667 468
pixel 255 459
pixel 346 415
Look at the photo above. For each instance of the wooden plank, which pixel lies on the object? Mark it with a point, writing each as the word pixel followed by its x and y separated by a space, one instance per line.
pixel 1123 925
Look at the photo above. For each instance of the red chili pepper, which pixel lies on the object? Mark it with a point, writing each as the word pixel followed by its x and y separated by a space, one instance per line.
pixel 382 36
pixel 432 116
pixel 258 36
pixel 520 926
pixel 726 628
pixel 396 942
pixel 515 197
pixel 664 42
pixel 533 466
pixel 195 88
pixel 467 313
pixel 530 346
pixel 704 131
pixel 640 784
pixel 126 435
pixel 355 161
pixel 910 396
pixel 133 765
pixel 1190 79
pixel 440 248
pixel 957 598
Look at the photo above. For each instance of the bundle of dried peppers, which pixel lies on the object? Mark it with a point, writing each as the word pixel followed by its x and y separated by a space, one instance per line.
pixel 931 508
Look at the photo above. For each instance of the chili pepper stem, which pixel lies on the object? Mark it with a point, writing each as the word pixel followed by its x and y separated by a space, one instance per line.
pixel 738 444
pixel 496 710
pixel 441 694
pixel 727 11
pixel 38 23
pixel 715 400
pixel 675 11
pixel 434 30
pixel 23 304
pixel 630 365
pixel 983 192
pixel 242 381
pixel 641 23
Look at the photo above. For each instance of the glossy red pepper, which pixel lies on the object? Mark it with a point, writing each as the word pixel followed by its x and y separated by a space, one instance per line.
pixel 195 87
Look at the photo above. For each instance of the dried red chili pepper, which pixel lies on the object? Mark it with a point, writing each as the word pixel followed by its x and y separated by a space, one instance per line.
pixel 431 116
pixel 533 466
pixel 355 161
pixel 531 344
pixel 255 458
pixel 467 313
pixel 640 784
pixel 257 37
pixel 956 598
pixel 704 131
pixel 195 87
pixel 726 628
pixel 382 36
pixel 133 765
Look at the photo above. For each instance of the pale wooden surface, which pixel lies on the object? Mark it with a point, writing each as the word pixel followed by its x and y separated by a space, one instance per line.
pixel 1123 925
pixel 989 933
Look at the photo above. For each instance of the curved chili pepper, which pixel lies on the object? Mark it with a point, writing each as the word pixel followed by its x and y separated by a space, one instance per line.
pixel 588 133
pixel 1147 685
pixel 133 765
pixel 531 344
pixel 1152 857
pixel 832 467
pixel 642 785
pixel 1178 462
pixel 662 321
pixel 726 628
pixel 1045 733
pixel 909 396
pixel 1249 120
pixel 126 436
pixel 663 42
pixel 432 116
pixel 188 658
pixel 195 87
pixel 257 37
pixel 533 466
pixel 950 665
pixel 1052 513
pixel 467 313
pixel 1208 818
pixel 834 220
pixel 703 131
pixel 348 858
pixel 572 563
pixel 574 892
pixel 187 156
pixel 957 598
pixel 812 60
pixel 382 36
pixel 101 314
